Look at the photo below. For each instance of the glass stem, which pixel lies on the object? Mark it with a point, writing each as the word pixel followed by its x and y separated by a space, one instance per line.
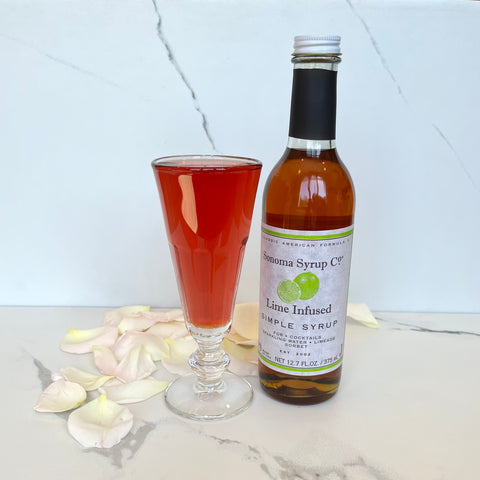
pixel 209 361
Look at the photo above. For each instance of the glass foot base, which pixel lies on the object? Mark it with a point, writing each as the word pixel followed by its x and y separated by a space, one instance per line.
pixel 183 399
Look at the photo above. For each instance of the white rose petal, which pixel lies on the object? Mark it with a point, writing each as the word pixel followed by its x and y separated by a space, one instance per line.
pixel 61 396
pixel 245 353
pixel 175 315
pixel 168 330
pixel 114 317
pixel 180 351
pixel 82 341
pixel 136 365
pixel 100 423
pixel 132 392
pixel 238 339
pixel 88 381
pixel 245 320
pixel 155 346
pixel 105 360
pixel 139 322
pixel 361 313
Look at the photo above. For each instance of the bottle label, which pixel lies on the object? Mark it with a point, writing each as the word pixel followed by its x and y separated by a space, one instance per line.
pixel 303 299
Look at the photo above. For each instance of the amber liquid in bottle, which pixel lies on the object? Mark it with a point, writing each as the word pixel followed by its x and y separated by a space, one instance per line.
pixel 309 189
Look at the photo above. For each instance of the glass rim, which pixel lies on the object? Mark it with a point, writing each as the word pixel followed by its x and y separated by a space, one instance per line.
pixel 205 161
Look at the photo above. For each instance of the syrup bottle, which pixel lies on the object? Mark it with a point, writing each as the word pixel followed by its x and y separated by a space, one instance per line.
pixel 307 230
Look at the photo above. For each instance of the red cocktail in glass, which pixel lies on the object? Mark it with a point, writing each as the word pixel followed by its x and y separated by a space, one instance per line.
pixel 207 204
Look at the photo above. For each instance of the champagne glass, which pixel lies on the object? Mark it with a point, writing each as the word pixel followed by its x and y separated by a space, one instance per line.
pixel 207 204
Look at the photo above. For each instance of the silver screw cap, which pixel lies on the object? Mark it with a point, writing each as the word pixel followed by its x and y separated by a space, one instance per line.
pixel 316 44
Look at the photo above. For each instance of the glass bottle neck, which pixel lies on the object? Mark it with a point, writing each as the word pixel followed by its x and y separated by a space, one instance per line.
pixel 314 99
pixel 313 147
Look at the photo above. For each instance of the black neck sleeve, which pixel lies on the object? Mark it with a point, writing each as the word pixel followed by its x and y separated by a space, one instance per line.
pixel 314 102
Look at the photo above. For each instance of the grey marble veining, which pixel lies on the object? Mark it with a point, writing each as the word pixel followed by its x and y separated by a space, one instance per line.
pixel 400 91
pixel 279 467
pixel 62 61
pixel 457 156
pixel 357 469
pixel 416 328
pixel 106 86
pixel 125 451
pixel 118 454
pixel 44 374
pixel 426 323
pixel 185 81
pixel 276 467
pixel 377 49
pixel 362 433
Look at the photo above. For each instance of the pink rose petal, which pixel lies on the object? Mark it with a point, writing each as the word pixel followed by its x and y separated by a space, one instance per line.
pixel 155 346
pixel 168 330
pixel 105 360
pixel 61 396
pixel 100 423
pixel 114 317
pixel 136 365
pixel 82 341
pixel 136 391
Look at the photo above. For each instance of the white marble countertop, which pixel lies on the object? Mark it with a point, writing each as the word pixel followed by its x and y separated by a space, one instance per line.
pixel 408 408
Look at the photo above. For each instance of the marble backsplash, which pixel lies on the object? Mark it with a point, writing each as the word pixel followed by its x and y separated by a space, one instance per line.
pixel 93 91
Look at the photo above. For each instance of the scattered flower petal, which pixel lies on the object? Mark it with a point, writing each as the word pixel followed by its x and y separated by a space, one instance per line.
pixel 139 322
pixel 238 339
pixel 100 423
pixel 88 381
pixel 245 353
pixel 176 315
pixel 56 376
pixel 361 313
pixel 245 320
pixel 82 341
pixel 61 396
pixel 128 361
pixel 136 365
pixel 105 360
pixel 155 346
pixel 114 317
pixel 133 392
pixel 168 330
pixel 180 351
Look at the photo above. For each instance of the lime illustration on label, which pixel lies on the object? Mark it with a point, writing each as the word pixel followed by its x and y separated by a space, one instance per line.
pixel 309 285
pixel 288 291
pixel 304 287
